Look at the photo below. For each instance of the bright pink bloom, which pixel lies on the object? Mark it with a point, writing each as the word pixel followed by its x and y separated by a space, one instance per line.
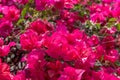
pixel 107 1
pixel 70 3
pixel 29 40
pixel 93 40
pixel 110 58
pixel 11 44
pixel 11 13
pixel 38 26
pixel 4 50
pixel 99 13
pixel 56 44
pixel 100 51
pixel 70 73
pixel 35 65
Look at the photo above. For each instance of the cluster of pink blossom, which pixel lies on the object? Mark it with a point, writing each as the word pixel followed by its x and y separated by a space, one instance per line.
pixel 106 9
pixel 58 4
pixel 60 39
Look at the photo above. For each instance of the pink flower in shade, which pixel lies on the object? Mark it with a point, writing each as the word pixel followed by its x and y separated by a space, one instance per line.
pixel 99 75
pixel 110 58
pixel 21 1
pixel 54 69
pixel 1 8
pixel 118 71
pixel 70 3
pixel 7 2
pixel 102 75
pixel 70 73
pixel 59 4
pixel 5 28
pixel 100 51
pixel 108 42
pixel 5 72
pixel 11 44
pixel 42 4
pixel 112 55
pixel 29 40
pixel 1 42
pixel 108 69
pixel 108 31
pixel 11 13
pixel 38 26
pixel 86 63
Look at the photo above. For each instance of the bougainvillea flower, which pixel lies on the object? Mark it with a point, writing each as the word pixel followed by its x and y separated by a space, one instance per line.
pixel 42 4
pixel 38 26
pixel 1 42
pixel 101 75
pixel 108 42
pixel 21 1
pixel 11 13
pixel 36 64
pixel 5 72
pixel 5 49
pixel 70 73
pixel 20 76
pixel 29 40
pixel 5 28
pixel 59 4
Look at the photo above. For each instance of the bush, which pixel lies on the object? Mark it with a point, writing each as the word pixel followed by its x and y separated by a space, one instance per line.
pixel 59 40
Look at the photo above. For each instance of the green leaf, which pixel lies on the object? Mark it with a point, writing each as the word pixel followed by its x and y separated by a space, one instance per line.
pixel 77 7
pixel 98 25
pixel 118 26
pixel 20 21
pixel 24 11
pixel 30 1
pixel 117 63
pixel 1 16
pixel 112 19
pixel 109 24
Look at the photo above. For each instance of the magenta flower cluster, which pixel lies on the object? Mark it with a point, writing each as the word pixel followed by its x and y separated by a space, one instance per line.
pixel 60 39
